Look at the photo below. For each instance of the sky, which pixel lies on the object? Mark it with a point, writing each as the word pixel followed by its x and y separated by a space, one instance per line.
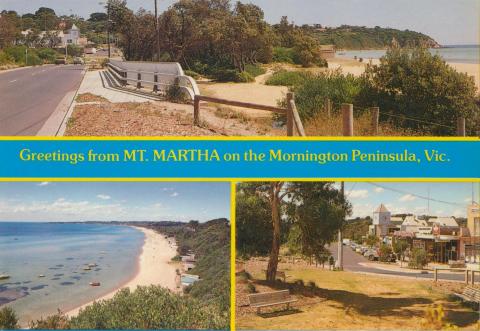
pixel 99 201
pixel 447 21
pixel 406 198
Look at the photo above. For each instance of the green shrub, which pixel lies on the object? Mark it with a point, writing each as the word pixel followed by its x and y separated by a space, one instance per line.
pixel 8 319
pixel 175 93
pixel 385 253
pixel 6 58
pixel 288 78
pixel 416 84
pixel 311 94
pixel 254 70
pixel 58 321
pixel 48 55
pixel 244 77
pixel 192 74
pixel 418 258
pixel 283 55
pixel 151 307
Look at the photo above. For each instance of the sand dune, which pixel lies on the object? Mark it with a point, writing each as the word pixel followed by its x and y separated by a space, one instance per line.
pixel 153 267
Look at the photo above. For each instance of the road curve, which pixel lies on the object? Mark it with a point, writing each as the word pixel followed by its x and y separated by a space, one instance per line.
pixel 353 262
pixel 29 96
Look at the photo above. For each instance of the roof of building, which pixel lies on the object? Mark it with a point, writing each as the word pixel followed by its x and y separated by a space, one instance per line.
pixel 74 27
pixel 413 221
pixel 444 221
pixel 381 209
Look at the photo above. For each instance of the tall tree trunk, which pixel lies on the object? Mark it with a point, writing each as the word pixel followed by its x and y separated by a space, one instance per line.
pixel 273 260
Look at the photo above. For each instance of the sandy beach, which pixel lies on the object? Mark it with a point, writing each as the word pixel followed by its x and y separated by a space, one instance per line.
pixel 154 267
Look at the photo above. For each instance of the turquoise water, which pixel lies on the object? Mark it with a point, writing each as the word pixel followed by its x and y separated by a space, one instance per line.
pixel 60 251
pixel 457 54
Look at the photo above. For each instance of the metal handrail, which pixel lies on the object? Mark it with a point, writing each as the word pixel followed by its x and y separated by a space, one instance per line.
pixel 121 74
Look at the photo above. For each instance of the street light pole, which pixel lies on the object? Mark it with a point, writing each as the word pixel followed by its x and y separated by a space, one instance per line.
pixel 108 27
pixel 340 239
pixel 157 32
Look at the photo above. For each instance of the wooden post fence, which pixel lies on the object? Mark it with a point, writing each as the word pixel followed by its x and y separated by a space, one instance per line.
pixel 196 110
pixel 155 80
pixel 139 80
pixel 375 119
pixel 328 107
pixel 347 113
pixel 461 127
pixel 289 114
pixel 293 118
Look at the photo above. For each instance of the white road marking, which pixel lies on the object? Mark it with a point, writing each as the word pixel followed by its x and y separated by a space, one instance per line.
pixel 13 81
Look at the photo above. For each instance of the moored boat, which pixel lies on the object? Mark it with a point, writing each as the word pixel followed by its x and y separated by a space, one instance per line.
pixel 4 276
pixel 94 283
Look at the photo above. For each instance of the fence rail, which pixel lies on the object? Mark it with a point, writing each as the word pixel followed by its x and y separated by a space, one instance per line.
pixel 161 80
pixel 293 118
pixel 467 272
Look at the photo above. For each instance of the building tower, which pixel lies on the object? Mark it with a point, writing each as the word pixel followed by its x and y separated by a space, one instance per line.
pixel 381 220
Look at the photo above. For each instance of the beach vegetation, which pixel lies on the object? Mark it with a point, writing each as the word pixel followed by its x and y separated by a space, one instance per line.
pixel 8 319
pixel 413 83
pixel 210 242
pixel 58 321
pixel 288 78
pixel 151 307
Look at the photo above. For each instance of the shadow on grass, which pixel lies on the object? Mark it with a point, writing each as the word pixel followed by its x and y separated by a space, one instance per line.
pixel 376 306
pixel 278 313
pixel 361 303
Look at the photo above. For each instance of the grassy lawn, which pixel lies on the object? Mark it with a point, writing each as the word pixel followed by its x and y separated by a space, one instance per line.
pixel 345 300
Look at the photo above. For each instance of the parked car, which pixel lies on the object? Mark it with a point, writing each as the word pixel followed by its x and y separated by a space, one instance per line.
pixel 371 254
pixel 60 60
pixel 358 249
pixel 346 242
pixel 78 60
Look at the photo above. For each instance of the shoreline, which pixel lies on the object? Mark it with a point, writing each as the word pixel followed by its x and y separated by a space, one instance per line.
pixel 156 255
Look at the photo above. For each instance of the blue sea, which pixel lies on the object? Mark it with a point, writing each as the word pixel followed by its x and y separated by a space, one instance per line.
pixel 455 54
pixel 60 251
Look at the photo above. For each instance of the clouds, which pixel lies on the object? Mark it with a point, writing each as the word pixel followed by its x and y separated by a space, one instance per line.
pixel 43 184
pixel 104 197
pixel 406 198
pixel 358 194
pixel 378 189
pixel 174 195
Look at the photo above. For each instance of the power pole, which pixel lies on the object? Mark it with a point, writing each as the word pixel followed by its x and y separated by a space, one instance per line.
pixel 340 239
pixel 157 32
pixel 108 29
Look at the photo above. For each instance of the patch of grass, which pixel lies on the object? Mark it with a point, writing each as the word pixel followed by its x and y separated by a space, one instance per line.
pixel 255 70
pixel 89 97
pixel 228 113
pixel 288 78
pixel 323 125
pixel 345 300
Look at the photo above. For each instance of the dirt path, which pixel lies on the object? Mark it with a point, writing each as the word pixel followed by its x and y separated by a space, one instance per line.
pixel 256 92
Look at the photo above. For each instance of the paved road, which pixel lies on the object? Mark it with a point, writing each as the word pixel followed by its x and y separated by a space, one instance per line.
pixel 352 260
pixel 29 96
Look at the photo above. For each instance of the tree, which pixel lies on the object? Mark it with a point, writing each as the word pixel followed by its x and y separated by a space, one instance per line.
pixel 253 221
pixel 418 258
pixel 8 30
pixel 315 210
pixel 8 319
pixel 413 83
pixel 399 248
pixel 385 253
pixel 371 240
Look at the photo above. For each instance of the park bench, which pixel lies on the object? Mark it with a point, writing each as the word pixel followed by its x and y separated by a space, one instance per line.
pixel 269 299
pixel 470 294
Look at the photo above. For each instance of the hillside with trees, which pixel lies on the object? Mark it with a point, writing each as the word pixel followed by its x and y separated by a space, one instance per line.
pixel 361 37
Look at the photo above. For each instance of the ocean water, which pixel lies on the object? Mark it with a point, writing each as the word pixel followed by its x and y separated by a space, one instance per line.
pixel 60 251
pixel 456 54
